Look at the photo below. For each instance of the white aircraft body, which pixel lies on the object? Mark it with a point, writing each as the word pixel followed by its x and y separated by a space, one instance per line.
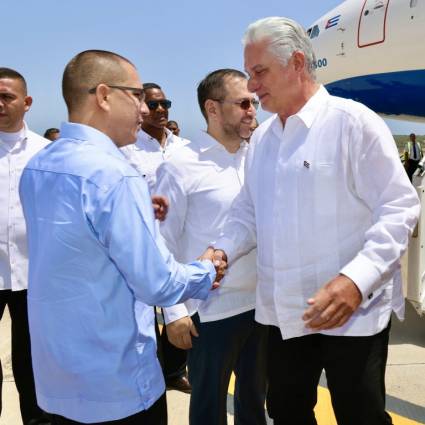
pixel 373 51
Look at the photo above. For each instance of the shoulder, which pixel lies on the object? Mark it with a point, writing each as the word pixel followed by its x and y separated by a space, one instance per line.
pixel 84 160
pixel 353 112
pixel 180 141
pixel 36 141
pixel 182 160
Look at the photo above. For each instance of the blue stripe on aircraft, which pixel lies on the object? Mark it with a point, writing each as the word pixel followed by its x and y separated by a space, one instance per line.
pixel 392 93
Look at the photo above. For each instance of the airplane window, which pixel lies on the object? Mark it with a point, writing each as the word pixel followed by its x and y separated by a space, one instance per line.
pixel 413 3
pixel 313 32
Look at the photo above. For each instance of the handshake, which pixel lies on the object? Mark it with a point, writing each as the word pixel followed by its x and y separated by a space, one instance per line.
pixel 219 258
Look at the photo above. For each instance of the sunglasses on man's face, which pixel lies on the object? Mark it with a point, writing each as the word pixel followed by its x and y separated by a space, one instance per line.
pixel 244 104
pixel 154 104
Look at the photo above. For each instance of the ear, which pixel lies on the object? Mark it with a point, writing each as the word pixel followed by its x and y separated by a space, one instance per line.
pixel 27 103
pixel 299 61
pixel 210 108
pixel 102 97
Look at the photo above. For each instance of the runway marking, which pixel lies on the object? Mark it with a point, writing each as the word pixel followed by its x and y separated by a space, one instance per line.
pixel 324 411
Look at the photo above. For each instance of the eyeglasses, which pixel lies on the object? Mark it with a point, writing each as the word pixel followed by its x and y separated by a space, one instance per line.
pixel 244 104
pixel 153 104
pixel 139 93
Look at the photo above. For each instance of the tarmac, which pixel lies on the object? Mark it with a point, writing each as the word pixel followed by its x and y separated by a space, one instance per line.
pixel 405 379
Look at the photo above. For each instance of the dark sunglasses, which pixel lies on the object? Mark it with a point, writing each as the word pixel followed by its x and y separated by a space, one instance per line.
pixel 244 104
pixel 153 104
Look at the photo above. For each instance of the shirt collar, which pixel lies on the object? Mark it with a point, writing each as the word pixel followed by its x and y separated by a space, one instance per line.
pixel 143 136
pixel 22 136
pixel 70 130
pixel 314 105
pixel 206 142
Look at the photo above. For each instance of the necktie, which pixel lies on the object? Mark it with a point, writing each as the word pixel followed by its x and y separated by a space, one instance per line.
pixel 415 155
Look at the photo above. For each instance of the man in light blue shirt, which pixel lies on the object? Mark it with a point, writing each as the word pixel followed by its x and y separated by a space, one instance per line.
pixel 94 250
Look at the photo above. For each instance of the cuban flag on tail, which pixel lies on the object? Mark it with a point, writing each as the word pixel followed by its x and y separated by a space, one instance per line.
pixel 332 22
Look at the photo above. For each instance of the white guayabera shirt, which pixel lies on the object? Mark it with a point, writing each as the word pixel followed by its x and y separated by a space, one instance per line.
pixel 146 155
pixel 201 180
pixel 324 195
pixel 16 149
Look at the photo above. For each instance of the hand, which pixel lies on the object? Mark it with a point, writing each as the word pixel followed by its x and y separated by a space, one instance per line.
pixel 180 333
pixel 160 207
pixel 219 258
pixel 333 305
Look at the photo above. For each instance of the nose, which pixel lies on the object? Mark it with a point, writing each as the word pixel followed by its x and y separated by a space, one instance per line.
pixel 252 84
pixel 160 108
pixel 251 111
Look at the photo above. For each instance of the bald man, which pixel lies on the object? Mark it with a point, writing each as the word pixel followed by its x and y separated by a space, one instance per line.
pixel 95 252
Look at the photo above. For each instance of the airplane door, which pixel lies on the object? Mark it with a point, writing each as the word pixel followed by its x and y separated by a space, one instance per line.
pixel 372 22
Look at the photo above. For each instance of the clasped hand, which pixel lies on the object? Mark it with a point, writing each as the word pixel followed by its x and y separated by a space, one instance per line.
pixel 219 258
pixel 160 207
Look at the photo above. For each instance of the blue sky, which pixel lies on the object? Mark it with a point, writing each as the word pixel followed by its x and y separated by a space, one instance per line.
pixel 173 43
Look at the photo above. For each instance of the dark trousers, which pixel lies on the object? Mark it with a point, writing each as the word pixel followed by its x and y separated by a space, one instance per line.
pixel 236 344
pixel 355 372
pixel 155 415
pixel 173 360
pixel 21 356
pixel 411 167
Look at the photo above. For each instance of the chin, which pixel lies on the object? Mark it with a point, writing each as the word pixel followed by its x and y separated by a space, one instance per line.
pixel 267 107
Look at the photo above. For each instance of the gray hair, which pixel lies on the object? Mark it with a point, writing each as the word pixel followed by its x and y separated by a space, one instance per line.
pixel 285 37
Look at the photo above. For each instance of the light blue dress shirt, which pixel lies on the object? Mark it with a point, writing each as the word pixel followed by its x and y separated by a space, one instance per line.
pixel 94 250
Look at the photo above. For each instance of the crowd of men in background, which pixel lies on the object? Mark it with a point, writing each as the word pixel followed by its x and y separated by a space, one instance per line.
pixel 307 231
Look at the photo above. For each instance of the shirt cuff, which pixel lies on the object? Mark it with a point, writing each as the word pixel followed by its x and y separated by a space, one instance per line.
pixel 176 312
pixel 366 277
pixel 205 291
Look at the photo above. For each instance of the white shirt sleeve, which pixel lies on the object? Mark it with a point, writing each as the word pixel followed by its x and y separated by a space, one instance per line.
pixel 239 233
pixel 169 185
pixel 381 182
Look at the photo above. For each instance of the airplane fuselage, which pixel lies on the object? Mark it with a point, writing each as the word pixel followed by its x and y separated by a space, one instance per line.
pixel 373 51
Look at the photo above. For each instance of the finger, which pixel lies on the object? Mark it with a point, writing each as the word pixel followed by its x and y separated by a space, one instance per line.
pixel 318 304
pixel 215 285
pixel 342 320
pixel 314 311
pixel 208 254
pixel 219 275
pixel 176 342
pixel 327 318
pixel 193 330
pixel 220 258
pixel 187 341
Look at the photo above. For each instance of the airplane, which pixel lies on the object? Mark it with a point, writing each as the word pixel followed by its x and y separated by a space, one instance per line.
pixel 372 51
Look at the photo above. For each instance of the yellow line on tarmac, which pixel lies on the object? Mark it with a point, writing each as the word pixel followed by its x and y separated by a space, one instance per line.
pixel 324 412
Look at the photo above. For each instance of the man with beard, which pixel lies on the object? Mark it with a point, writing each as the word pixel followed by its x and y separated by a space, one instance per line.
pixel 201 180
pixel 155 143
